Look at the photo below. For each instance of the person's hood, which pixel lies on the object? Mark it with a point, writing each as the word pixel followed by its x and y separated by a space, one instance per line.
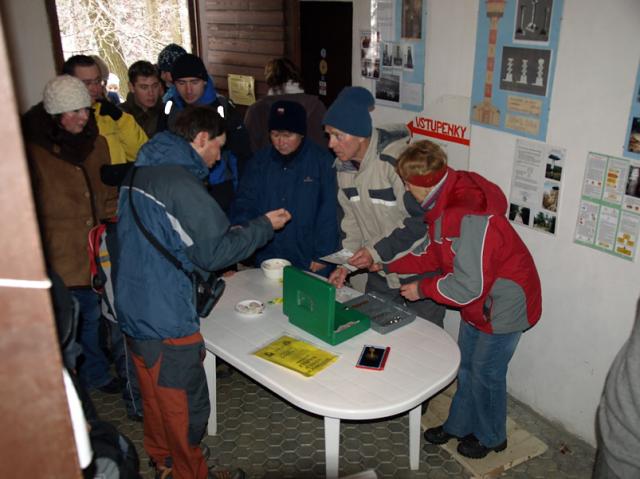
pixel 466 193
pixel 166 148
pixel 170 94
pixel 391 133
pixel 209 96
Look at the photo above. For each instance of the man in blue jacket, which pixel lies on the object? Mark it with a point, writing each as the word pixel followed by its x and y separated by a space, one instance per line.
pixel 193 86
pixel 296 174
pixel 154 299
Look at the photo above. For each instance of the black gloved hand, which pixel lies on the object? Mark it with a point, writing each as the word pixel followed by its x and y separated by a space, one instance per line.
pixel 113 175
pixel 109 109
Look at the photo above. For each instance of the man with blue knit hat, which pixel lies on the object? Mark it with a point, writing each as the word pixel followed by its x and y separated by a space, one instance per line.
pixel 194 87
pixel 377 223
pixel 358 95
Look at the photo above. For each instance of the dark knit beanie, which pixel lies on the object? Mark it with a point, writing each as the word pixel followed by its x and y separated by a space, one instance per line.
pixel 168 56
pixel 350 113
pixel 358 95
pixel 288 116
pixel 189 66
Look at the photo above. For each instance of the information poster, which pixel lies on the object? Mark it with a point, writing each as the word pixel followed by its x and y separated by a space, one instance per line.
pixel 536 184
pixel 241 89
pixel 632 140
pixel 609 212
pixel 516 47
pixel 392 53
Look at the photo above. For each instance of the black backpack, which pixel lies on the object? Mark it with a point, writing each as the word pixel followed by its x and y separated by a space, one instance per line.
pixel 114 455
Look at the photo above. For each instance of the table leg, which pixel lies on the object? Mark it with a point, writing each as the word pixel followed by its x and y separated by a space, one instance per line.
pixel 414 437
pixel 210 373
pixel 332 446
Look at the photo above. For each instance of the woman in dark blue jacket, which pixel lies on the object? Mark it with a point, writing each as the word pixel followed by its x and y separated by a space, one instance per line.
pixel 296 174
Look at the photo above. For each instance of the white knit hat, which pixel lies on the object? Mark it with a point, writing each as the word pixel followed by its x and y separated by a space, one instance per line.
pixel 65 93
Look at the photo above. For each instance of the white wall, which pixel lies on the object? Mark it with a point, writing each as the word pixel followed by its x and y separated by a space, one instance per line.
pixel 30 49
pixel 588 297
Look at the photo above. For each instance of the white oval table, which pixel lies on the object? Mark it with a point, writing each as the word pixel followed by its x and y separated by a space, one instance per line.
pixel 422 361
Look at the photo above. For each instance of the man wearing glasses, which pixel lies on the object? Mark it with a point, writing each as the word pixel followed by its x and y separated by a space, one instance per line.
pixel 124 136
pixel 376 226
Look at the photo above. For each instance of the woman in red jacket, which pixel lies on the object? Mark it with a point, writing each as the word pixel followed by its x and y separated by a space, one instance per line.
pixel 487 273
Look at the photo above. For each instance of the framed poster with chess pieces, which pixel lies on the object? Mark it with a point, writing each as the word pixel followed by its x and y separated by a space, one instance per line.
pixel 516 45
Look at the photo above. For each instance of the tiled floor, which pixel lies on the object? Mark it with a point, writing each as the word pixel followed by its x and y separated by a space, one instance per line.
pixel 269 438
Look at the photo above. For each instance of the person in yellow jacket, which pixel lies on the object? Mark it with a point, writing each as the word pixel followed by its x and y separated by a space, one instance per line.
pixel 123 134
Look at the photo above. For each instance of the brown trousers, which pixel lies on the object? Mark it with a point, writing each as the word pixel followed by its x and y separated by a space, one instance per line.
pixel 175 402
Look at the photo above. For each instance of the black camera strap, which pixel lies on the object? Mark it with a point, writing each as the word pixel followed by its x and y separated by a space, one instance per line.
pixel 152 239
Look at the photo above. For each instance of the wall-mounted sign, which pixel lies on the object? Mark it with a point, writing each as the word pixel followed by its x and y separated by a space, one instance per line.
pixel 439 129
pixel 516 46
pixel 609 213
pixel 536 185
pixel 241 89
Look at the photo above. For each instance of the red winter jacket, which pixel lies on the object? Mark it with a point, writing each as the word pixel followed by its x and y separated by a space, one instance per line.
pixel 487 270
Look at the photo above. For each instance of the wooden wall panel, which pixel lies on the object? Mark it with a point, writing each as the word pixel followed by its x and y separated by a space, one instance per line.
pixel 239 17
pixel 244 4
pixel 252 32
pixel 243 35
pixel 272 48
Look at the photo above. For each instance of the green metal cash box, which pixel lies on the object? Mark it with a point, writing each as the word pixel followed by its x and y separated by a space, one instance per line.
pixel 310 303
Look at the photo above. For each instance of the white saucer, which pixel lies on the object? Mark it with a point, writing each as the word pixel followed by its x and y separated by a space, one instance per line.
pixel 250 307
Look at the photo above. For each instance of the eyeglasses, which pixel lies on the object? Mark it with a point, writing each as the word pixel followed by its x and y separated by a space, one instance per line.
pixel 94 82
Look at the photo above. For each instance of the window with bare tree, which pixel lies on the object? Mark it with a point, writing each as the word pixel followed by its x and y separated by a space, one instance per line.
pixel 122 31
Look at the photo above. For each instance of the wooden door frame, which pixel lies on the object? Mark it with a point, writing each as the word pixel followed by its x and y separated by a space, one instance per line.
pixel 38 437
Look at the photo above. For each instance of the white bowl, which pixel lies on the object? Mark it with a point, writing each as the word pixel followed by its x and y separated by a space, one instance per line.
pixel 274 268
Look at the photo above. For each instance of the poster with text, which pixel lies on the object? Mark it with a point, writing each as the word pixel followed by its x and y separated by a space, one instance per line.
pixel 516 47
pixel 536 184
pixel 632 140
pixel 400 32
pixel 609 211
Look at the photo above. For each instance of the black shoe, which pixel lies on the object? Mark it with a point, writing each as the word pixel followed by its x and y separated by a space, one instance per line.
pixel 135 417
pixel 473 448
pixel 217 472
pixel 162 472
pixel 112 387
pixel 166 473
pixel 223 371
pixel 206 452
pixel 437 435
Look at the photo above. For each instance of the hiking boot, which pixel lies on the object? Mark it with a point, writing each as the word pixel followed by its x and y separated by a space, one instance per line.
pixel 473 448
pixel 135 417
pixel 161 472
pixel 437 435
pixel 223 371
pixel 218 472
pixel 164 473
pixel 206 453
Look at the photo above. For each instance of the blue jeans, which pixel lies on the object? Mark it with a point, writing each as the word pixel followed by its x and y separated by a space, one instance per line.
pixel 479 406
pixel 94 370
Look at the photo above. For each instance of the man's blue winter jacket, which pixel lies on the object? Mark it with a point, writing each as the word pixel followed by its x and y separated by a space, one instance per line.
pixel 153 299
